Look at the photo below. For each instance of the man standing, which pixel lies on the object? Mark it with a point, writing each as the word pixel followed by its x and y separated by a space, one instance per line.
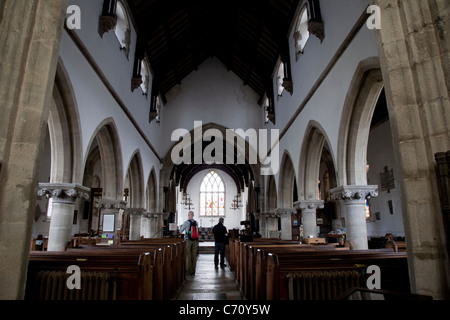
pixel 191 243
pixel 220 238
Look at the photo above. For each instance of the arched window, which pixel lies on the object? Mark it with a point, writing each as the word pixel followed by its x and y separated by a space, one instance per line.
pixel 280 78
pixel 212 195
pixel 144 76
pixel 122 29
pixel 301 34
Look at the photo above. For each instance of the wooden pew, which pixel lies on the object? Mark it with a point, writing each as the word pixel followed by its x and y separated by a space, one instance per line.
pixel 132 274
pixel 250 254
pixel 282 268
pixel 397 246
pixel 174 261
pixel 166 263
pixel 240 254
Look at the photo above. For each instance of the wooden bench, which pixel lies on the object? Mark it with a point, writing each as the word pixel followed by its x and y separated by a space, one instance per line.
pixel 249 268
pixel 174 261
pixel 345 268
pixel 397 246
pixel 131 274
pixel 139 270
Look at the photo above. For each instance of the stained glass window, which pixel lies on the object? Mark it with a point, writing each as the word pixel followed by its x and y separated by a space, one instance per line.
pixel 212 195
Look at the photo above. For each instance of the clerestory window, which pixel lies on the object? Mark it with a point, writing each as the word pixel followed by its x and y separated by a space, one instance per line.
pixel 301 33
pixel 122 29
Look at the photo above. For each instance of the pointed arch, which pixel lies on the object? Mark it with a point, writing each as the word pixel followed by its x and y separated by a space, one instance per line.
pixel 287 187
pixel 152 192
pixel 108 142
pixel 64 131
pixel 357 113
pixel 135 181
pixel 251 172
pixel 271 195
pixel 311 154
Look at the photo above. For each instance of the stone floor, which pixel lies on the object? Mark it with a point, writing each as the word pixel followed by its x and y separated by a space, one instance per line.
pixel 209 283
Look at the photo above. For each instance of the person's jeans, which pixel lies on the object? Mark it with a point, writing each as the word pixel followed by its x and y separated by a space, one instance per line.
pixel 219 250
pixel 191 255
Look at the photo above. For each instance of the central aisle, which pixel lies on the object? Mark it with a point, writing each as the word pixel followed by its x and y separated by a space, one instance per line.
pixel 209 283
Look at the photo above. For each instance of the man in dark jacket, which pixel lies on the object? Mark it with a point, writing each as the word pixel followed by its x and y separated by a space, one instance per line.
pixel 220 238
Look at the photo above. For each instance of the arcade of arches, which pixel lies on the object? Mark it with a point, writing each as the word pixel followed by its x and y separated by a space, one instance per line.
pixel 361 114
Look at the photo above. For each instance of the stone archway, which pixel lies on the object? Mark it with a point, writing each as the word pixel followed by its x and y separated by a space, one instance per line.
pixel 314 152
pixel 108 143
pixel 152 193
pixel 287 183
pixel 135 182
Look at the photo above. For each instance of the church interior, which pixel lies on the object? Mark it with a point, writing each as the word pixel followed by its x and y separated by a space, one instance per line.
pixel 318 130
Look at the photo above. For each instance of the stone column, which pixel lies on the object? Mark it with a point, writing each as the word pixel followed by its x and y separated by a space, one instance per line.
pixel 414 48
pixel 145 225
pixel 135 222
pixel 110 207
pixel 286 221
pixel 156 221
pixel 62 208
pixel 262 218
pixel 354 200
pixel 309 215
pixel 30 38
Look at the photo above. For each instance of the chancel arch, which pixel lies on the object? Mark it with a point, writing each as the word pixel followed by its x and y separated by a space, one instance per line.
pixel 242 173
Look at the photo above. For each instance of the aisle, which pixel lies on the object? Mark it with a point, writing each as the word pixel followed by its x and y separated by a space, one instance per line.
pixel 209 283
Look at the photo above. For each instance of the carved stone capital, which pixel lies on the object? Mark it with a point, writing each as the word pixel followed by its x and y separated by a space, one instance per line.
pixel 309 204
pixel 106 23
pixel 135 211
pixel 111 204
pixel 262 215
pixel 354 192
pixel 150 215
pixel 63 192
pixel 279 212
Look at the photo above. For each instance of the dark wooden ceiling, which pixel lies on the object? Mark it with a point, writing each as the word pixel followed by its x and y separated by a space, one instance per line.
pixel 248 36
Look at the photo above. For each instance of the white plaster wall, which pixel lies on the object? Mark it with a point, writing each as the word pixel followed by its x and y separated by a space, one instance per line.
pixel 232 217
pixel 96 105
pixel 211 95
pixel 326 105
pixel 114 64
pixel 380 154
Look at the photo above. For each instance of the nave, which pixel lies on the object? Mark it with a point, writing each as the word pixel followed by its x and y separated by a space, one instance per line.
pixel 209 283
